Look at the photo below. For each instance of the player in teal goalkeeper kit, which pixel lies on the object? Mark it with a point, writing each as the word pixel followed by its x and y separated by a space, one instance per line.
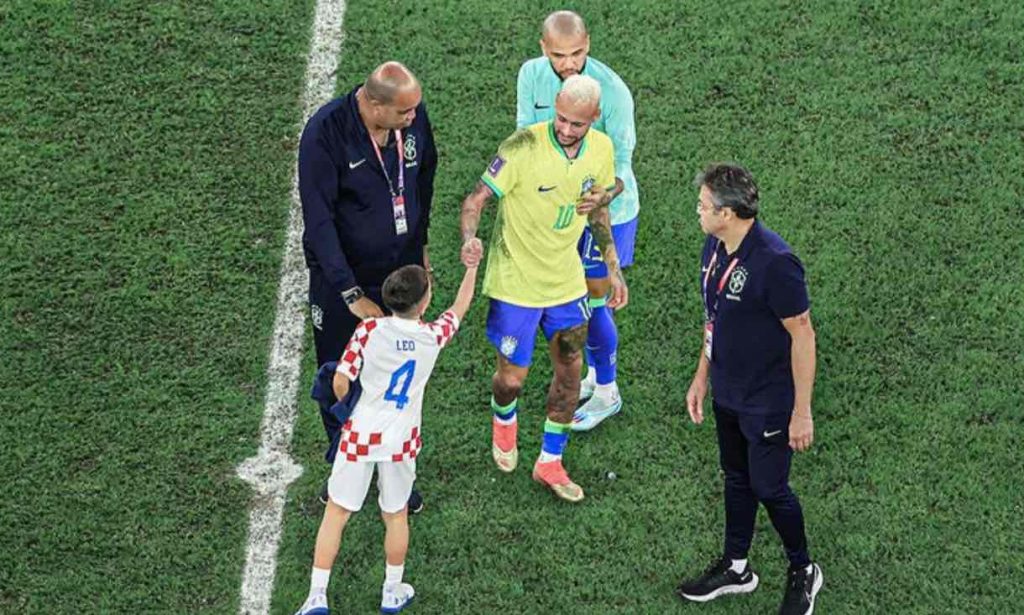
pixel 566 43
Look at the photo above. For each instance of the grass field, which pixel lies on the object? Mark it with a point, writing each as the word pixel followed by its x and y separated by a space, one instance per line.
pixel 146 152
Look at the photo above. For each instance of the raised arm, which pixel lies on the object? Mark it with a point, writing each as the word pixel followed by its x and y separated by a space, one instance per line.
pixel 465 295
pixel 469 222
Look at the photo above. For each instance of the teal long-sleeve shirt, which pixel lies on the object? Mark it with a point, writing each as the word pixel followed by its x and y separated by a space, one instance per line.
pixel 536 88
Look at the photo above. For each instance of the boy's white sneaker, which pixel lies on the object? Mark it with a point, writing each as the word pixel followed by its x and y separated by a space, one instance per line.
pixel 314 605
pixel 396 597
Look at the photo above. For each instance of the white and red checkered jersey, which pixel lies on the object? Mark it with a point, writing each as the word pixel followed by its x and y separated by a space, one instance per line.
pixel 392 358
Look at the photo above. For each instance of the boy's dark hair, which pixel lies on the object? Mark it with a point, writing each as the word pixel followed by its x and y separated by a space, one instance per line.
pixel 731 186
pixel 404 288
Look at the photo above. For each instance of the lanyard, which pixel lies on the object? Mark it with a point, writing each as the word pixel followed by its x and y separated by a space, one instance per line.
pixel 708 312
pixel 401 166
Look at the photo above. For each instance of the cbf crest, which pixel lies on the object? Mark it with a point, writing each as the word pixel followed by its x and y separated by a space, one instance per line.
pixel 316 313
pixel 410 146
pixel 409 149
pixel 737 281
pixel 509 345
pixel 588 183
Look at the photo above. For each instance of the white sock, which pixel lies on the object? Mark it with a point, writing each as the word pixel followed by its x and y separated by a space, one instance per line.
pixel 510 421
pixel 318 581
pixel 591 377
pixel 607 392
pixel 393 574
pixel 738 566
pixel 546 457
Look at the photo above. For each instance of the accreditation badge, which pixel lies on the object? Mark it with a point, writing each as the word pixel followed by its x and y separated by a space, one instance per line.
pixel 709 330
pixel 401 223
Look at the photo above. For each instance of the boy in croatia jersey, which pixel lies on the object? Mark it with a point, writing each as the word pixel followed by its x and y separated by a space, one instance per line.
pixel 387 362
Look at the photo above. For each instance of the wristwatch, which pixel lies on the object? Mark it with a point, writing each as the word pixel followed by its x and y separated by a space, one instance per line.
pixel 352 295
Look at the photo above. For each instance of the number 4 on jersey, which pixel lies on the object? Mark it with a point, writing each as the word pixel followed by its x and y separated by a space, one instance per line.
pixel 399 388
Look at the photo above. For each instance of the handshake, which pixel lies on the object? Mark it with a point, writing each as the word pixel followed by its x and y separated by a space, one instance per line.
pixel 472 252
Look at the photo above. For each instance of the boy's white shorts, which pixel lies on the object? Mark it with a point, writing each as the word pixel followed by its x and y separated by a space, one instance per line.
pixel 350 482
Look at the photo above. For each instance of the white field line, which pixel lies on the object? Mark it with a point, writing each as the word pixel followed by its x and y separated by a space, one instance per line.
pixel 272 469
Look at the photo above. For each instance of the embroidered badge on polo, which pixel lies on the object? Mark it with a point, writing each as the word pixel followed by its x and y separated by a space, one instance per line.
pixel 737 281
pixel 316 314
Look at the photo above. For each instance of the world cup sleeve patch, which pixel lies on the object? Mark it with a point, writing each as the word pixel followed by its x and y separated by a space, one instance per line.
pixel 495 166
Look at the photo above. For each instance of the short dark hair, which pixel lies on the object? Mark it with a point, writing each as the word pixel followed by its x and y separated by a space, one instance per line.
pixel 404 288
pixel 731 186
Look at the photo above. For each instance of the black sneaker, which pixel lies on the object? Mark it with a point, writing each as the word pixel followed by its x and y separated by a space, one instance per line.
pixel 323 497
pixel 719 579
pixel 415 502
pixel 801 588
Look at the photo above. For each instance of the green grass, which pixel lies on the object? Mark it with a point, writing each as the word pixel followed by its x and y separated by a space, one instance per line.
pixel 145 158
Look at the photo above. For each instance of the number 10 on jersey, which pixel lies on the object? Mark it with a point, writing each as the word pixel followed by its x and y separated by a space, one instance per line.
pixel 564 216
pixel 401 378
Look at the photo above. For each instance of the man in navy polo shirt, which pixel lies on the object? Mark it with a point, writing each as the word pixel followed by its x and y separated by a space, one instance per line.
pixel 366 181
pixel 759 352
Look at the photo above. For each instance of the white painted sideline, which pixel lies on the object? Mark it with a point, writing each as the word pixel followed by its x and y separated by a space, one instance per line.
pixel 272 469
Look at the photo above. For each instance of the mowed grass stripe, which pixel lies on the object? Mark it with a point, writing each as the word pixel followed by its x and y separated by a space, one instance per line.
pixel 271 470
pixel 146 164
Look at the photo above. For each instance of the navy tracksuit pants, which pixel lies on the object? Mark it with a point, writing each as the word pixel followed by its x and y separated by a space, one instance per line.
pixel 333 326
pixel 755 456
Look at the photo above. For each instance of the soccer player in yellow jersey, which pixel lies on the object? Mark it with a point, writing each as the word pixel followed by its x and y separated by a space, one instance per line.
pixel 551 179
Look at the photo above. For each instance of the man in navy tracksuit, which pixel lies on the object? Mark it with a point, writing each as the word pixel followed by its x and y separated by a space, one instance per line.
pixel 366 180
pixel 759 351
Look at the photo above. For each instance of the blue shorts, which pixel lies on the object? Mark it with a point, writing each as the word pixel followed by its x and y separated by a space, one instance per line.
pixel 624 236
pixel 513 328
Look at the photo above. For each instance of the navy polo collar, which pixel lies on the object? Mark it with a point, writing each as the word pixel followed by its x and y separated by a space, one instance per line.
pixel 358 127
pixel 751 239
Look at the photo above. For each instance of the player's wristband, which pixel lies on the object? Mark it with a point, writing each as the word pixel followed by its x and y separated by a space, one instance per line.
pixel 352 295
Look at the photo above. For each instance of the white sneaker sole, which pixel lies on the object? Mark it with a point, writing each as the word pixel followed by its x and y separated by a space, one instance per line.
pixel 391 610
pixel 396 609
pixel 746 588
pixel 819 580
pixel 592 420
pixel 506 461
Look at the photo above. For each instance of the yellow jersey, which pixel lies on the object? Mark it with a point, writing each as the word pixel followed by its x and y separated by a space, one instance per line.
pixel 533 259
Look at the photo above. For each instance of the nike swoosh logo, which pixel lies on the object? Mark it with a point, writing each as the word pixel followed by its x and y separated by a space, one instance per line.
pixel 546 188
pixel 540 106
pixel 353 165
pixel 769 434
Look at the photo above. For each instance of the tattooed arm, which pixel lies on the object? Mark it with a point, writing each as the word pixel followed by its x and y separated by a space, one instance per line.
pixel 601 229
pixel 469 221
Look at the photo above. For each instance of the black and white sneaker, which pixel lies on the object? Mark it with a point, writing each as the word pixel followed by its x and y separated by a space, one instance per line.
pixel 801 588
pixel 719 579
pixel 415 502
pixel 323 497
